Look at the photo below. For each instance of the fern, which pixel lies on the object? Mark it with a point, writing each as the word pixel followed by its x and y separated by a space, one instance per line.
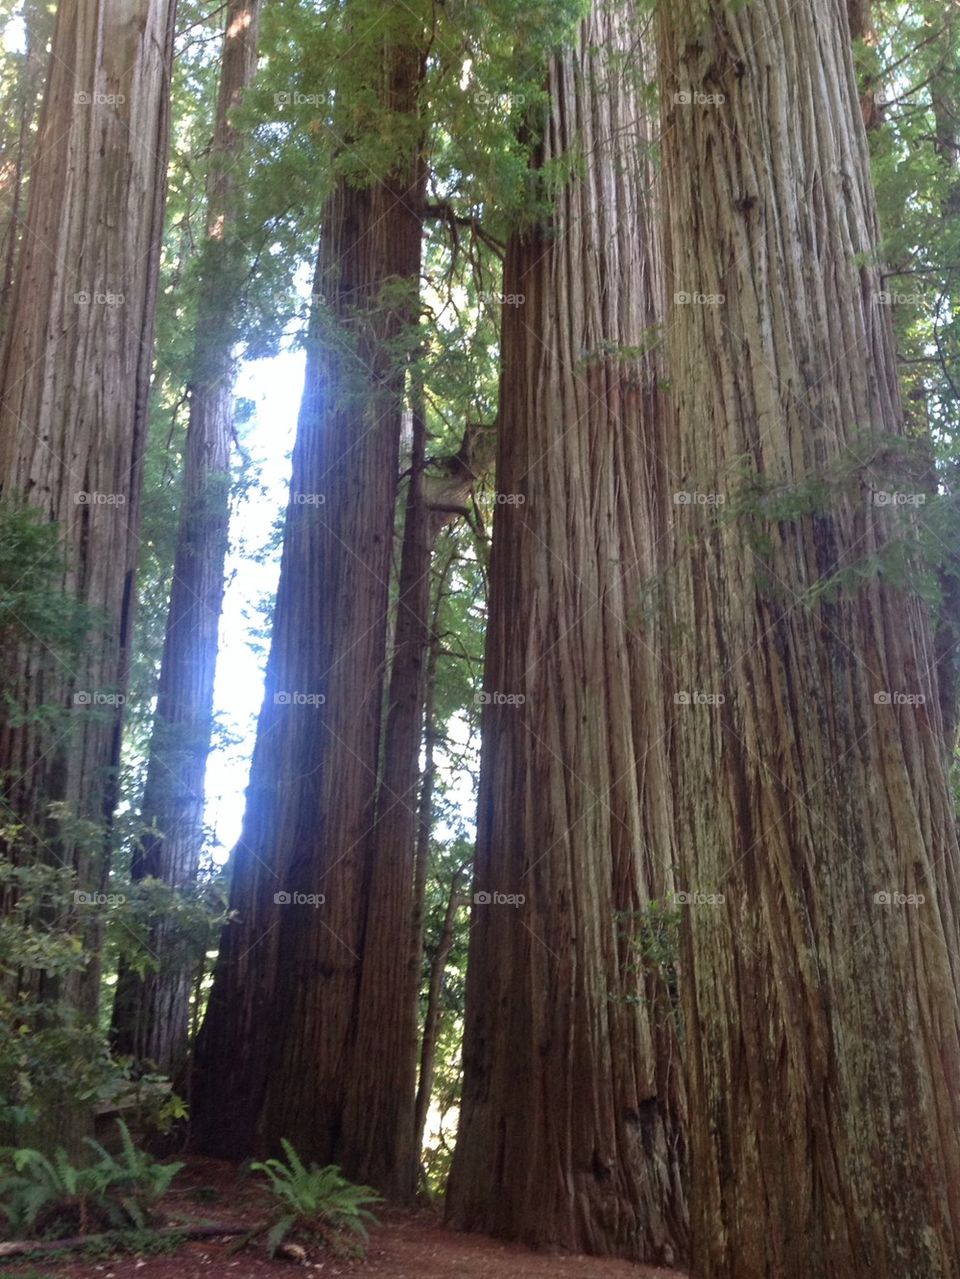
pixel 319 1200
pixel 279 1231
pixel 53 1193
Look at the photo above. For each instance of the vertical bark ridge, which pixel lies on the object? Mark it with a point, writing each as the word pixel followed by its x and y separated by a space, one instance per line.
pixel 571 1122
pixel 290 968
pixel 74 381
pixel 822 1015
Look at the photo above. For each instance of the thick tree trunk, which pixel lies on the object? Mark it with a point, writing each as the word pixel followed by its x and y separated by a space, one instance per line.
pixel 74 383
pixel 570 1132
pixel 151 1013
pixel 816 834
pixel 380 1114
pixel 288 976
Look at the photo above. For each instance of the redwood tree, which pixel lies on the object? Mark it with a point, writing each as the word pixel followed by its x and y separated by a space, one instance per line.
pixel 571 1122
pixel 815 826
pixel 151 1012
pixel 289 971
pixel 74 378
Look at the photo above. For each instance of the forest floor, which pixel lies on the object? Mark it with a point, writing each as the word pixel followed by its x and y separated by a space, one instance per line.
pixel 412 1245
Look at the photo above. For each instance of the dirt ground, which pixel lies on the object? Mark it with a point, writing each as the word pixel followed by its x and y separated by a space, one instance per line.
pixel 403 1246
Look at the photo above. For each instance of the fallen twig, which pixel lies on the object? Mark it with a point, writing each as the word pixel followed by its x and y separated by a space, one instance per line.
pixel 20 1247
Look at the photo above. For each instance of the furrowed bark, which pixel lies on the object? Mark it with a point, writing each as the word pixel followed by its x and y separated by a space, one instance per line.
pixel 74 379
pixel 387 1004
pixel 288 975
pixel 815 828
pixel 389 992
pixel 571 1119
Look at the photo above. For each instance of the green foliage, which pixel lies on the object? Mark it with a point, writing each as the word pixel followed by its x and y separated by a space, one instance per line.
pixel 48 1050
pixel 319 1202
pixel 913 68
pixel 192 918
pixel 54 1198
pixel 50 1053
pixel 653 937
pixel 35 607
pixel 652 940
pixel 889 482
pixel 138 1180
pixel 448 872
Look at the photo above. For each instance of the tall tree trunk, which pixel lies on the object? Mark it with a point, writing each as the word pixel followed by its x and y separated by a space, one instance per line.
pixel 815 828
pixel 860 18
pixel 74 382
pixel 428 777
pixel 387 1026
pixel 442 564
pixel 288 977
pixel 570 1131
pixel 380 1114
pixel 151 1013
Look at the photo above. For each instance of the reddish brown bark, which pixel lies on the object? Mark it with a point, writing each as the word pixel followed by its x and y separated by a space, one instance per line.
pixel 74 381
pixel 571 1120
pixel 289 972
pixel 815 829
